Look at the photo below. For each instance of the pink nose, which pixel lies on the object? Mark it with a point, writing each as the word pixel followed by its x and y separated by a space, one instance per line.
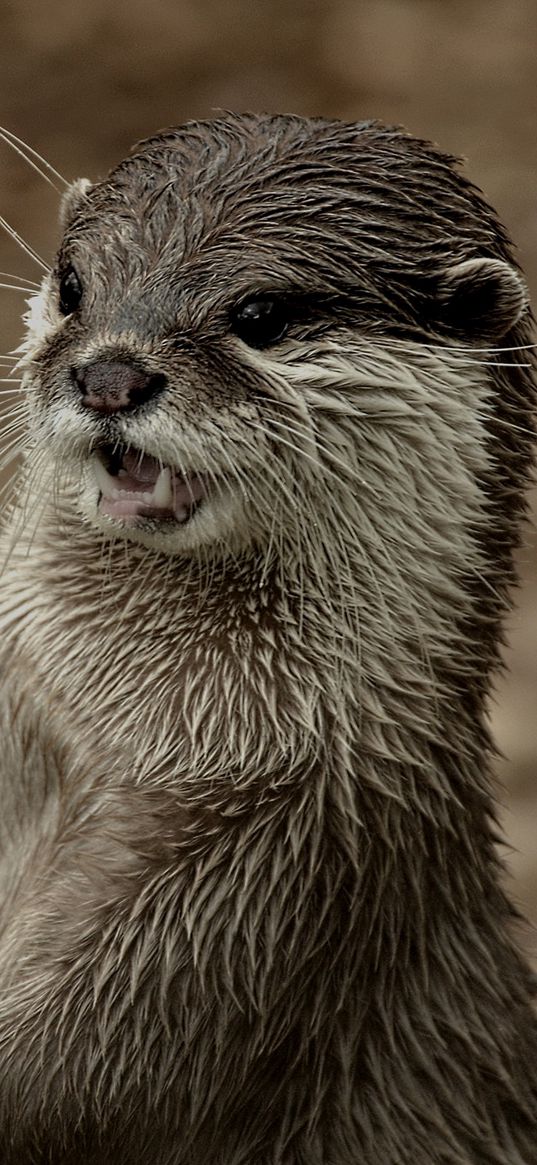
pixel 111 386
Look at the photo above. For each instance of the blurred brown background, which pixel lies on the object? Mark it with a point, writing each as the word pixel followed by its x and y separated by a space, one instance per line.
pixel 82 81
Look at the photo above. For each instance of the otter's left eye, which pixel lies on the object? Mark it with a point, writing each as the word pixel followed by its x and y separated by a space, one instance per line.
pixel 70 291
pixel 260 322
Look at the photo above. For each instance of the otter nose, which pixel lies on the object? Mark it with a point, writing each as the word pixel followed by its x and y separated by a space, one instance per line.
pixel 113 386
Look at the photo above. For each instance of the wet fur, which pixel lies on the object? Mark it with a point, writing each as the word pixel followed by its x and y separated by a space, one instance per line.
pixel 252 903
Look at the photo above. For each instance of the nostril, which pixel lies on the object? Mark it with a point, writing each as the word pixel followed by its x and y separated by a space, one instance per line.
pixel 110 386
pixel 155 384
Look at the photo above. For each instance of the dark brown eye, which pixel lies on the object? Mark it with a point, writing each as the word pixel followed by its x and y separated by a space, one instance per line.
pixel 260 322
pixel 70 291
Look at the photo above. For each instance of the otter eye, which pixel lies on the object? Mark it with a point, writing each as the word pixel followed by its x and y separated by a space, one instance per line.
pixel 260 322
pixel 70 291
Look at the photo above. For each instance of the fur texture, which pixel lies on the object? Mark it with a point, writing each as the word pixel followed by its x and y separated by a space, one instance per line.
pixel 252 905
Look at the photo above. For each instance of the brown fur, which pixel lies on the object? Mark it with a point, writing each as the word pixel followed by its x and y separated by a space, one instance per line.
pixel 252 903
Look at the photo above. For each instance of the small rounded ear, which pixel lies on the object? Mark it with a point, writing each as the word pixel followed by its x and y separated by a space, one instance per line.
pixel 482 298
pixel 72 200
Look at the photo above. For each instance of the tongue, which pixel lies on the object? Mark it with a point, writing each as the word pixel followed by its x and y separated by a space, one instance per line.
pixel 144 487
pixel 139 468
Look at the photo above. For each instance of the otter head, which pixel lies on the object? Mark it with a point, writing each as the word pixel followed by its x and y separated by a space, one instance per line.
pixel 238 304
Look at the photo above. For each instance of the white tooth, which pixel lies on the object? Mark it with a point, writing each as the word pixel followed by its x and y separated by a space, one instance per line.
pixel 162 493
pixel 104 479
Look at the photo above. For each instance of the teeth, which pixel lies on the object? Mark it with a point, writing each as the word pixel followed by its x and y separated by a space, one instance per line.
pixel 162 495
pixel 104 480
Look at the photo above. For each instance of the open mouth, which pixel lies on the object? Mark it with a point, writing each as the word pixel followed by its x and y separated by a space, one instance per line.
pixel 133 484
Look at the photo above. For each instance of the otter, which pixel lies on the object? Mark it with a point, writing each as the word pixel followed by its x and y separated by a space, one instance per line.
pixel 279 389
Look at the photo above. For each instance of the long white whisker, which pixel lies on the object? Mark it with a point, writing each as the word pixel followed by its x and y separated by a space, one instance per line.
pixel 504 424
pixel 15 404
pixel 40 499
pixel 30 283
pixel 16 425
pixel 328 559
pixel 403 346
pixel 319 446
pixel 11 453
pixel 23 149
pixel 16 287
pixel 25 246
pixel 352 610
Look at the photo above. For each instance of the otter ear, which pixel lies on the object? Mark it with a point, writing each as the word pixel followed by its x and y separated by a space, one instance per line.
pixel 72 201
pixel 483 298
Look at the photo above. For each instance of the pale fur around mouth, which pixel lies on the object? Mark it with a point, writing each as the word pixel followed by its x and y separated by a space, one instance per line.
pixel 133 484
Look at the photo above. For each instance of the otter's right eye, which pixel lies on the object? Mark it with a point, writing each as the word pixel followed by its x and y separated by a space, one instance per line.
pixel 70 291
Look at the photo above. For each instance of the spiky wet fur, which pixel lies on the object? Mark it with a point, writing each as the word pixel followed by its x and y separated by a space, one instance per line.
pixel 253 913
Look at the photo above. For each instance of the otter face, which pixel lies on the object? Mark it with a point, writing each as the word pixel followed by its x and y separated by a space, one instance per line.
pixel 232 303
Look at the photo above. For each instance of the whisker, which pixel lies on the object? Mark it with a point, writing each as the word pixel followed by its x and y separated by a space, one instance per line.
pixel 328 453
pixel 16 425
pixel 281 440
pixel 27 153
pixel 11 445
pixel 106 556
pixel 10 416
pixel 15 400
pixel 18 428
pixel 8 491
pixel 504 424
pixel 325 559
pixel 340 566
pixel 39 496
pixel 13 433
pixel 16 414
pixel 318 445
pixel 402 346
pixel 25 246
pixel 30 283
pixel 33 496
pixel 16 287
